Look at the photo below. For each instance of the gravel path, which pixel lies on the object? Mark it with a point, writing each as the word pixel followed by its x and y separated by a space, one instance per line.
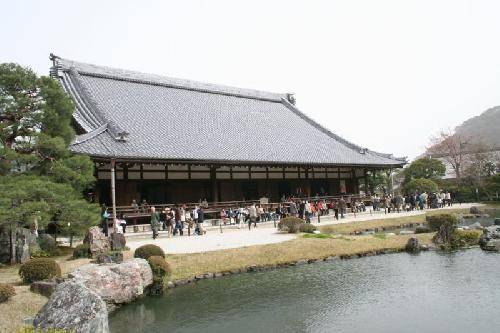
pixel 265 233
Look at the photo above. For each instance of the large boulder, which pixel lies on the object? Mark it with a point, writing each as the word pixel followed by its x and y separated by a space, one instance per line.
pixel 75 308
pixel 45 287
pixel 97 240
pixel 4 245
pixel 116 283
pixel 490 239
pixel 117 241
pixel 24 240
pixel 475 210
pixel 412 245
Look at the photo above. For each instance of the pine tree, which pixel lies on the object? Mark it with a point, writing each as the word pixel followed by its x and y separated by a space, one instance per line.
pixel 38 175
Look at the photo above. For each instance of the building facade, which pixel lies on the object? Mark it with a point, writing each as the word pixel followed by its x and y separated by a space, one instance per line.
pixel 171 141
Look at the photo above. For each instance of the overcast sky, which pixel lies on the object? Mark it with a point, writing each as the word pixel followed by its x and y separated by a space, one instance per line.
pixel 385 74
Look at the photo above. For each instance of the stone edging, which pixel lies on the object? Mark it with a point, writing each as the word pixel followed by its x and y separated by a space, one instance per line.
pixel 262 268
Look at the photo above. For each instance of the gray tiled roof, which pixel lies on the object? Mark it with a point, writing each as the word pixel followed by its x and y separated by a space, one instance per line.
pixel 141 116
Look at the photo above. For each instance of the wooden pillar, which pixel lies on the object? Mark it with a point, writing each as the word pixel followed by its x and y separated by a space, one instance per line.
pixel 113 191
pixel 365 172
pixel 213 184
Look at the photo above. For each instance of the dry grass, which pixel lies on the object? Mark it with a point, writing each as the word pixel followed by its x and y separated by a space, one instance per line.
pixel 387 222
pixel 187 265
pixel 25 303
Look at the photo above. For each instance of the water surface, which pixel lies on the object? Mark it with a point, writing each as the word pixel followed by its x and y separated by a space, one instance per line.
pixel 430 292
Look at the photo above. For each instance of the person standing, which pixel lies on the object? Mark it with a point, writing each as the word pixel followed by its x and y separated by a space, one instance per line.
pixel 155 221
pixel 252 212
pixel 104 219
pixel 293 209
pixel 169 221
pixel 182 213
pixel 201 219
pixel 177 219
pixel 135 206
pixel 241 217
pixel 194 216
pixel 223 216
pixel 307 211
pixel 342 207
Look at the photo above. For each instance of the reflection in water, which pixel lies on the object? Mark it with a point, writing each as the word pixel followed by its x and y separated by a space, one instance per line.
pixel 430 292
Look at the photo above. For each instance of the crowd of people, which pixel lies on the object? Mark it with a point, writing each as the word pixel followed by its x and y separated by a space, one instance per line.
pixel 178 219
pixel 412 201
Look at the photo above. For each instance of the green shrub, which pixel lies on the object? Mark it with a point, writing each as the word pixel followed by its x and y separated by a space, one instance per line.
pixel 39 269
pixel 38 253
pixel 434 222
pixel 290 224
pixel 82 251
pixel 160 267
pixel 422 230
pixel 307 228
pixel 421 185
pixel 6 292
pixel 463 238
pixel 147 251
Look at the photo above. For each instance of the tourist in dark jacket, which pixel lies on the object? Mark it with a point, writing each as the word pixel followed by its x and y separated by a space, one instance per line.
pixel 201 219
pixel 177 219
pixel 104 219
pixel 342 207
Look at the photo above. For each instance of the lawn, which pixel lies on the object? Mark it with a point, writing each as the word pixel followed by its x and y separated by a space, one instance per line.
pixel 187 265
pixel 387 222
pixel 25 303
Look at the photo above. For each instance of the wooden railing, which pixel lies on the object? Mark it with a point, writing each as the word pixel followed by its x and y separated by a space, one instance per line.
pixel 129 213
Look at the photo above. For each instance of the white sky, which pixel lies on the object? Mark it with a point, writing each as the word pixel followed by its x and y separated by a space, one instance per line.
pixel 385 74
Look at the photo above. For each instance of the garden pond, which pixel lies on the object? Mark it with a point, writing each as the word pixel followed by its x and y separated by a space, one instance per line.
pixel 429 292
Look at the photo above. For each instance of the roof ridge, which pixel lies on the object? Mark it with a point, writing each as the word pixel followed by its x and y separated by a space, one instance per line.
pixel 160 80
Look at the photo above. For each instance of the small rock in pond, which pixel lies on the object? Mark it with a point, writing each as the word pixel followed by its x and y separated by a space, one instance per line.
pixel 412 245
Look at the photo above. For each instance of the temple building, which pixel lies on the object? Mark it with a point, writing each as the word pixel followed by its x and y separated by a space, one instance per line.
pixel 175 141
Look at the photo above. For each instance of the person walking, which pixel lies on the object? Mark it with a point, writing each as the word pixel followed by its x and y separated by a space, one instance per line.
pixel 307 211
pixel 335 207
pixel 155 222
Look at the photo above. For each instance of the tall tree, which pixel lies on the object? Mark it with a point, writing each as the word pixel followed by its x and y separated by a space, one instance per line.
pixel 453 148
pixel 427 168
pixel 38 175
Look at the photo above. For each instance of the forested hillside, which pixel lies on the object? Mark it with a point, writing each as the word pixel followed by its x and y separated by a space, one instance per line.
pixel 484 128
